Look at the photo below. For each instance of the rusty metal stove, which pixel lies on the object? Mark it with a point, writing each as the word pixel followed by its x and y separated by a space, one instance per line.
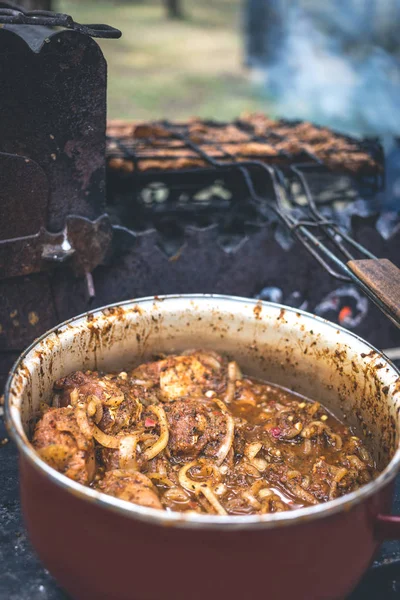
pixel 52 167
pixel 67 245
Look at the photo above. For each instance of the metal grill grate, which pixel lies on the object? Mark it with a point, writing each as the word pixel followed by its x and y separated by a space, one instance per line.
pixel 166 146
pixel 188 168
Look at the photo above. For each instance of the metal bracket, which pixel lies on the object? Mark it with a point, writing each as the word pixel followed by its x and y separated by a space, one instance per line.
pixel 12 14
pixel 83 244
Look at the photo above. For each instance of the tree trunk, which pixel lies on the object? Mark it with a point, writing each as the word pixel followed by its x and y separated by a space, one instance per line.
pixel 263 30
pixel 35 4
pixel 174 9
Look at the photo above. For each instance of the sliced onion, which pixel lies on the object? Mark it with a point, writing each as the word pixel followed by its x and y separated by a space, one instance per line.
pixel 234 371
pixel 260 464
pixel 161 479
pixel 228 440
pixel 162 441
pixel 213 500
pixel 109 441
pixel 250 469
pixel 199 487
pixel 220 489
pixel 95 409
pixel 115 400
pixel 74 396
pixel 209 360
pixel 265 493
pixel 252 500
pixel 127 452
pixel 356 462
pixel 293 474
pixel 221 404
pixel 84 424
pixel 298 491
pixel 332 491
pixel 251 450
pixel 336 439
pixel 341 472
pixel 146 383
pixel 230 392
pixel 365 455
pixel 176 494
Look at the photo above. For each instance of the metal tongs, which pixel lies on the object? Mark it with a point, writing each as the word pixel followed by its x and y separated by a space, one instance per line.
pixel 343 257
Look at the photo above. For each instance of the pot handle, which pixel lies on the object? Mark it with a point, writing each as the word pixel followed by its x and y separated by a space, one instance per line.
pixel 380 281
pixel 387 527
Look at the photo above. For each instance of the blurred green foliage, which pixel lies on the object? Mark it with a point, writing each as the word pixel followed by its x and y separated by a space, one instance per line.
pixel 163 68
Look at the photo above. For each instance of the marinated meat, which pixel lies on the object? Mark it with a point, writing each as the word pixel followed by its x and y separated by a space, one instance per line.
pixel 192 374
pixel 190 432
pixel 253 135
pixel 120 406
pixel 195 426
pixel 88 384
pixel 60 442
pixel 133 487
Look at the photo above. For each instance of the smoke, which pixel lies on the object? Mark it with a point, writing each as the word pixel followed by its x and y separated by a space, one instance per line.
pixel 331 70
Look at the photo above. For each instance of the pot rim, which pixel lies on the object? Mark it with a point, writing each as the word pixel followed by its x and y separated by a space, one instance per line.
pixel 195 521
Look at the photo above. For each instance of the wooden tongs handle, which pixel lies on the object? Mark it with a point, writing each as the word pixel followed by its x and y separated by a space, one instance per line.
pixel 380 280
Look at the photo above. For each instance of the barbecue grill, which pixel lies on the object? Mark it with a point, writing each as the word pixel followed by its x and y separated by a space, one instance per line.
pixel 89 217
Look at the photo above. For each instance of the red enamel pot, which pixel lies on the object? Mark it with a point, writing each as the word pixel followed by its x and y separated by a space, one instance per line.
pixel 102 548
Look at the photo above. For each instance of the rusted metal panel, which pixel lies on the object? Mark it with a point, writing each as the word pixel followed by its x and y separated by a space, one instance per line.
pixel 82 246
pixel 26 310
pixel 23 196
pixel 53 111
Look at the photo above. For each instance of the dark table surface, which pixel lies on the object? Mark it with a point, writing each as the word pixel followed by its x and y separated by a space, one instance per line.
pixel 22 577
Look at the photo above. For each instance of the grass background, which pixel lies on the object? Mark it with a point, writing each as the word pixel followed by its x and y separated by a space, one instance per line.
pixel 174 69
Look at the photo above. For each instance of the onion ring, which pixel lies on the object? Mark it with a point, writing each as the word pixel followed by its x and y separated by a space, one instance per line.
pixel 228 440
pixel 162 441
pixel 199 487
pixel 127 452
pixel 109 441
pixel 84 424
pixel 95 409
pixel 161 479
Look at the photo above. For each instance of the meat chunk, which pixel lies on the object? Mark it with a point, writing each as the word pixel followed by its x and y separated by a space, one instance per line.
pixel 87 384
pixel 191 375
pixel 60 442
pixel 195 427
pixel 131 486
pixel 120 405
pixel 148 372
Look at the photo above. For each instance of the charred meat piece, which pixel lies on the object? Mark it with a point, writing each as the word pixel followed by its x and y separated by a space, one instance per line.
pixel 60 442
pixel 195 427
pixel 87 384
pixel 191 375
pixel 120 406
pixel 131 486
